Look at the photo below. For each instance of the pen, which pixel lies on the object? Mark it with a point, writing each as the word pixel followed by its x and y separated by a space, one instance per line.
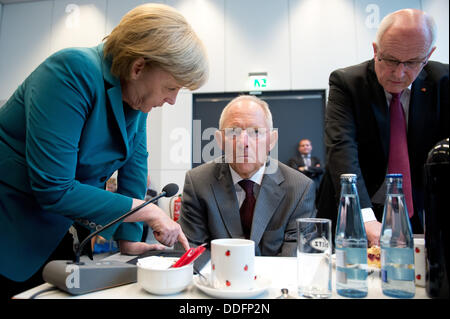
pixel 189 256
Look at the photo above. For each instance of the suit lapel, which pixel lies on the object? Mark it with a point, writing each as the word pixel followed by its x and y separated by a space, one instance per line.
pixel 314 161
pixel 114 94
pixel 115 99
pixel 226 200
pixel 301 160
pixel 269 198
pixel 421 110
pixel 380 108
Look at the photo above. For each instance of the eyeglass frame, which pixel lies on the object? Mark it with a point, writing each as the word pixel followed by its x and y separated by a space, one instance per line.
pixel 237 131
pixel 393 63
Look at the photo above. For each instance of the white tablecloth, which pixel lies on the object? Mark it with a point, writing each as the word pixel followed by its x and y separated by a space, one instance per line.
pixel 282 272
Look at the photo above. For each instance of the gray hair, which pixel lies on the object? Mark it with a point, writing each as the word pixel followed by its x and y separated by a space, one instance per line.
pixel 389 20
pixel 264 106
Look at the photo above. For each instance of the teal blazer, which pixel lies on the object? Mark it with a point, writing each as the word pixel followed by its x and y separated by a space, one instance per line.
pixel 63 133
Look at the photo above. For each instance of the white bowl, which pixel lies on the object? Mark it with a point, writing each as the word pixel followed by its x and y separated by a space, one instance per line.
pixel 163 281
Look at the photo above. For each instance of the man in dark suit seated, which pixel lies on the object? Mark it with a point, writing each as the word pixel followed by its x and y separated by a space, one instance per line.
pixel 383 116
pixel 305 163
pixel 246 193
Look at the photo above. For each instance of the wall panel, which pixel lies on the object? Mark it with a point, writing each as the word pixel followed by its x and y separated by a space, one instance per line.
pixel 322 38
pixel 25 32
pixel 256 40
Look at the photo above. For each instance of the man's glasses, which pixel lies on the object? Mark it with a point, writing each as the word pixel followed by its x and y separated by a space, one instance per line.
pixel 410 65
pixel 252 132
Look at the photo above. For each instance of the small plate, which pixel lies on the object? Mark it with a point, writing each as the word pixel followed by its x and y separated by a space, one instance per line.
pixel 261 285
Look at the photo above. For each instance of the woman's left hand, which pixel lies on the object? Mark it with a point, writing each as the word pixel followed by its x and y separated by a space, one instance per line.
pixel 137 248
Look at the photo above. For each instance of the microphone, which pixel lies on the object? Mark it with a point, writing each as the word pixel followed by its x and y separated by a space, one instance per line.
pixel 78 278
pixel 168 191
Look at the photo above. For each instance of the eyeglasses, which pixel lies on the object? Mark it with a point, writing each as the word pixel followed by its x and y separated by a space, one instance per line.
pixel 410 65
pixel 251 131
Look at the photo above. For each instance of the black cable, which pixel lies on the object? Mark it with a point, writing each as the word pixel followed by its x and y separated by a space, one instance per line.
pixel 33 296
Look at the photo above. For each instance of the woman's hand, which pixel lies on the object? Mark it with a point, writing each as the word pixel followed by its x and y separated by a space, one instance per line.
pixel 165 230
pixel 137 248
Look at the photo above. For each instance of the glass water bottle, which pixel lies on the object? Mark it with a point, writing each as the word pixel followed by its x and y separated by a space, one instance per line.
pixel 397 244
pixel 350 243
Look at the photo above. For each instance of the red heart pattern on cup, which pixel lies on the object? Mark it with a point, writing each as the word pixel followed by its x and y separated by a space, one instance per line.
pixel 227 282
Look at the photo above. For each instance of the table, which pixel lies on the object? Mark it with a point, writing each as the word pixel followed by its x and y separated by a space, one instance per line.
pixel 282 271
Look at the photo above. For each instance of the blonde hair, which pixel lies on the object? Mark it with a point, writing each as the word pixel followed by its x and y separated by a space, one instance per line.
pixel 162 36
pixel 263 104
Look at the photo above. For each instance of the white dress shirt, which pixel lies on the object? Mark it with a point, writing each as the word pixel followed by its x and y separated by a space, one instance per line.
pixel 307 160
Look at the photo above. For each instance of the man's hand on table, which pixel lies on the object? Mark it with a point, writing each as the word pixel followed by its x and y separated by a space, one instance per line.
pixel 373 230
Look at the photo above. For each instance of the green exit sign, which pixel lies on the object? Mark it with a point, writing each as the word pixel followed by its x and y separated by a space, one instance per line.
pixel 258 81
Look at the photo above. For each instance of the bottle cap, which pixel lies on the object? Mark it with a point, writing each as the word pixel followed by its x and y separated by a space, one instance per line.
pixel 347 175
pixel 394 175
pixel 348 178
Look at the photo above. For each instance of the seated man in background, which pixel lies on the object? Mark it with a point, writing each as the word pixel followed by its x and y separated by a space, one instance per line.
pixel 384 116
pixel 246 193
pixel 305 163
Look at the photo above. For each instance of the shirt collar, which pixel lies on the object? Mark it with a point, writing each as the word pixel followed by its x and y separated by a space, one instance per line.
pixel 406 93
pixel 257 177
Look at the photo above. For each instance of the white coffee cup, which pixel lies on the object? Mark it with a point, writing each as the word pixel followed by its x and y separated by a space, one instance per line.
pixel 232 264
pixel 419 260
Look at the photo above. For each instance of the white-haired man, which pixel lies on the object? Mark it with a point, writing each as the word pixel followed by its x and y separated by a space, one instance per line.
pixel 246 193
pixel 383 116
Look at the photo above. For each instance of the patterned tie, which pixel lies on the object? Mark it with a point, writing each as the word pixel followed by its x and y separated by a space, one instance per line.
pixel 247 207
pixel 398 149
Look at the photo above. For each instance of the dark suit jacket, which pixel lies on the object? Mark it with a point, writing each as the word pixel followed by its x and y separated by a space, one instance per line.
pixel 312 172
pixel 357 131
pixel 210 208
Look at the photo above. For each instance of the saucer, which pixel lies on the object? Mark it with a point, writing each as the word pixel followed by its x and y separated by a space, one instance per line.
pixel 261 285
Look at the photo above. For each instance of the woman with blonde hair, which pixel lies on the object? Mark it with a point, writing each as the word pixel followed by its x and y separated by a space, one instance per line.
pixel 77 118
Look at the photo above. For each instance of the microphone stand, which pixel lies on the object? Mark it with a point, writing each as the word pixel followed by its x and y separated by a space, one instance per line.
pixel 91 235
pixel 78 278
